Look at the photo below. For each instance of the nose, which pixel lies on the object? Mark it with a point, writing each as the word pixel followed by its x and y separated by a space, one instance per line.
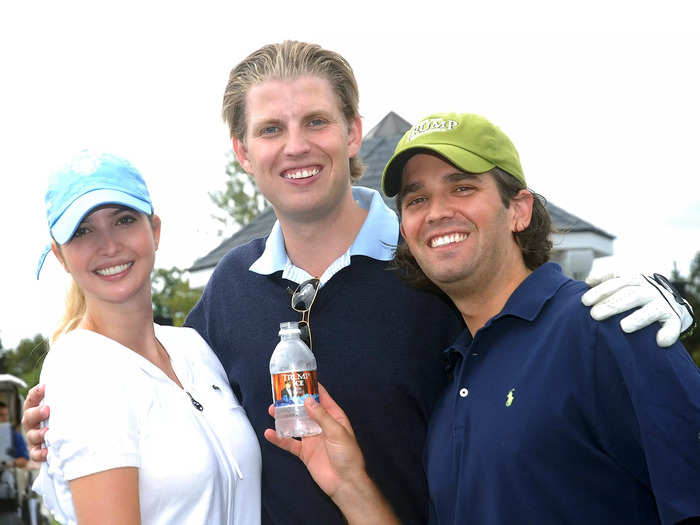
pixel 297 143
pixel 109 243
pixel 439 209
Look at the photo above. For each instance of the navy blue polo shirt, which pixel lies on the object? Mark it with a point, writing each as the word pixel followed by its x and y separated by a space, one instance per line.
pixel 552 417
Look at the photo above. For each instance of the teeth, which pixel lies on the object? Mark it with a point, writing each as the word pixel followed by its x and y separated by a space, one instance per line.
pixel 447 239
pixel 114 269
pixel 301 174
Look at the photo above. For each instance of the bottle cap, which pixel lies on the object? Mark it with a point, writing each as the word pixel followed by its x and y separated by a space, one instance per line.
pixel 290 328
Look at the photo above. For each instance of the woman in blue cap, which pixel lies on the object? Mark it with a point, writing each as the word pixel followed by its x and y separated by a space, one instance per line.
pixel 174 444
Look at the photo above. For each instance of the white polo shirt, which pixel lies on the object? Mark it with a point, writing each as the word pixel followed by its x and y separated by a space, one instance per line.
pixel 110 408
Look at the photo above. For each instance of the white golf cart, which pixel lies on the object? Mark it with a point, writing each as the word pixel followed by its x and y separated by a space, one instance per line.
pixel 18 504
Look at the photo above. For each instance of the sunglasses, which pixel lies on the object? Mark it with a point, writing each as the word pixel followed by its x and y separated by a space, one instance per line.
pixel 302 299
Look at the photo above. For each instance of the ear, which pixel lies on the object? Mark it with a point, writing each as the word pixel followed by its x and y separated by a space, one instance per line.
pixel 241 151
pixel 521 210
pixel 156 230
pixel 403 233
pixel 355 136
pixel 57 253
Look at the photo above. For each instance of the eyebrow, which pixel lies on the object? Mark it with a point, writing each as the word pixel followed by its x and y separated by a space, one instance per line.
pixel 274 121
pixel 266 122
pixel 456 176
pixel 324 113
pixel 118 208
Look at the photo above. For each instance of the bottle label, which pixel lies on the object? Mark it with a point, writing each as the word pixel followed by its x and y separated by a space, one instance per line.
pixel 291 388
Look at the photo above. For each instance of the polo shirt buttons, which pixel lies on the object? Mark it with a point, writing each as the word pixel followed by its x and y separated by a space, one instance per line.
pixel 463 392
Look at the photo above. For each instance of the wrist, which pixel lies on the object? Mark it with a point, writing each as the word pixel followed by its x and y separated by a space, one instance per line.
pixel 361 502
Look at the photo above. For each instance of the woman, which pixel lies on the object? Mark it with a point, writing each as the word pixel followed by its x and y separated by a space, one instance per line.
pixel 174 444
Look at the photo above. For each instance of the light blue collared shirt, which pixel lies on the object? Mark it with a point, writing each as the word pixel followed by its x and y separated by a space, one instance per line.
pixel 377 239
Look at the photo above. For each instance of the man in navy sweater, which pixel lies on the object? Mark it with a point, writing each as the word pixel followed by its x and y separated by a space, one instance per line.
pixel 549 416
pixel 292 110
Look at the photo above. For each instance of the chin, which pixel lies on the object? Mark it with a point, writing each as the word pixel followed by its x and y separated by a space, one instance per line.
pixel 448 276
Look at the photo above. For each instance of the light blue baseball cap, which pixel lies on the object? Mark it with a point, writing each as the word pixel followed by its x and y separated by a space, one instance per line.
pixel 90 180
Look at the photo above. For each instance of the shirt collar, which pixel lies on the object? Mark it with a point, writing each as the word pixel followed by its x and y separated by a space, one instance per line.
pixel 529 298
pixel 526 302
pixel 377 238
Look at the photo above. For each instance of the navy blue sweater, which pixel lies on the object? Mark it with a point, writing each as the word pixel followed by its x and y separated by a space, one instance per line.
pixel 378 345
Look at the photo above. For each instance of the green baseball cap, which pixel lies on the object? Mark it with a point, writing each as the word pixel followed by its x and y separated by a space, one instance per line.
pixel 470 142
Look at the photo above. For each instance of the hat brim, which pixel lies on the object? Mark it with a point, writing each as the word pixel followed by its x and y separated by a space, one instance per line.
pixel 461 158
pixel 65 226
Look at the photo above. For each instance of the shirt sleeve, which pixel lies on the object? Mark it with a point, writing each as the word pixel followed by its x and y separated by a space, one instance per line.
pixel 95 409
pixel 649 400
pixel 20 447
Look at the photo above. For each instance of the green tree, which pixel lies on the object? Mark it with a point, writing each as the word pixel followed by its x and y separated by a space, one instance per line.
pixel 3 367
pixel 25 361
pixel 240 201
pixel 172 296
pixel 691 292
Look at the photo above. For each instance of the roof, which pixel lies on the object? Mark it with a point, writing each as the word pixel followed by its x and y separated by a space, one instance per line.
pixel 567 222
pixel 8 378
pixel 377 147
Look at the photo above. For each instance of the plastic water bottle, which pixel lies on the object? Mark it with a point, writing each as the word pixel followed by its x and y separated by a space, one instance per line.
pixel 293 377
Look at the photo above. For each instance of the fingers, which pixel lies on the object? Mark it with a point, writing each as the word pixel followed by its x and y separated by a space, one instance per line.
pixel 607 288
pixel 332 420
pixel 622 300
pixel 655 311
pixel 290 445
pixel 35 438
pixel 596 277
pixel 330 406
pixel 34 397
pixel 32 417
pixel 669 332
pixel 31 421
pixel 643 317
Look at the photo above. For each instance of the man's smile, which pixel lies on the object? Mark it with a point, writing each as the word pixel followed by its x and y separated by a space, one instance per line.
pixel 444 239
pixel 301 173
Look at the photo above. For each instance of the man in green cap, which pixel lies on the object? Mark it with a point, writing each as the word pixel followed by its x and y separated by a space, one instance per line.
pixel 549 417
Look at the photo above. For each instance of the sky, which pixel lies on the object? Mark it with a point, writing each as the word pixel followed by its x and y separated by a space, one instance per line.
pixel 602 100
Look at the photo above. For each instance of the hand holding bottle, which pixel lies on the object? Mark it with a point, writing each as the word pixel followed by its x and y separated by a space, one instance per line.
pixel 336 463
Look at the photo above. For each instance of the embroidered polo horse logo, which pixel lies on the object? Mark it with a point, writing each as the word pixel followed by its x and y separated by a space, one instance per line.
pixel 510 397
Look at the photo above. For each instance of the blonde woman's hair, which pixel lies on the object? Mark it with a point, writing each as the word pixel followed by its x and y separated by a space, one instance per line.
pixel 74 312
pixel 288 60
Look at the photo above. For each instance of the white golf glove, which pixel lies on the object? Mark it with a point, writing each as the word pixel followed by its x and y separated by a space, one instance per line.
pixel 613 294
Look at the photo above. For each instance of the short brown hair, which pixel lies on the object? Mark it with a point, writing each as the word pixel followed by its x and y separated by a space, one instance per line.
pixel 534 241
pixel 288 60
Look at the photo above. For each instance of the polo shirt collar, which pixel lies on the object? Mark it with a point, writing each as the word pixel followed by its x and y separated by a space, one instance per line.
pixel 377 238
pixel 526 302
pixel 529 298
